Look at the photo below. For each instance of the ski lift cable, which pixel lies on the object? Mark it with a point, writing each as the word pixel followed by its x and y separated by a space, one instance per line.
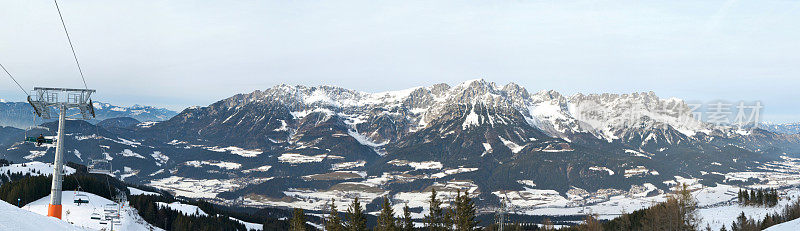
pixel 63 24
pixel 15 80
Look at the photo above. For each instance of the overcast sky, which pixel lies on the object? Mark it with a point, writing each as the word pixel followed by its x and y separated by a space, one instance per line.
pixel 182 53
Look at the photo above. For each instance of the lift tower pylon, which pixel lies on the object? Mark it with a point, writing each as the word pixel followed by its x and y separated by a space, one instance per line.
pixel 42 99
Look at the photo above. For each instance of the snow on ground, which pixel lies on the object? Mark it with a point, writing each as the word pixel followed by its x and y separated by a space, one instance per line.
pixel 445 192
pixel 348 165
pixel 637 153
pixel 127 172
pixel 637 171
pixel 33 167
pixel 147 124
pixel 364 140
pixel 17 219
pixel 185 209
pixel 417 165
pixel 718 215
pixel 220 164
pixel 236 151
pixel 598 168
pixel 533 198
pixel 193 188
pixel 527 182
pixel 160 157
pixel 471 119
pixel 136 191
pixel 248 225
pixel 769 179
pixel 80 215
pixel 515 148
pixel 34 155
pixel 294 158
pixel 453 171
pixel 317 199
pixel 129 153
pixel 259 169
pixel 792 225
pixel 127 142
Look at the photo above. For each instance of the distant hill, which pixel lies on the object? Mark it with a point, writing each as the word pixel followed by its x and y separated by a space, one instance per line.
pixel 787 128
pixel 20 114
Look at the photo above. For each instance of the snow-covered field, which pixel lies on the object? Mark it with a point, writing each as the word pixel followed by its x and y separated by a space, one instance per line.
pixel 188 210
pixel 220 164
pixel 80 215
pixel 13 218
pixel 194 188
pixel 294 158
pixel 725 214
pixel 34 168
pixel 136 191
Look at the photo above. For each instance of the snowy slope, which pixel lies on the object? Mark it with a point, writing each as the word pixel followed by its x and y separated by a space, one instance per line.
pixel 186 209
pixel 716 216
pixel 34 168
pixel 136 191
pixel 786 226
pixel 80 216
pixel 14 218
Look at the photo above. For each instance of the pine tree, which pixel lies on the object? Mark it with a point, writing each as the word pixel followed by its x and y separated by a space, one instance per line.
pixel 298 222
pixel 740 197
pixel 547 225
pixel 333 222
pixel 465 218
pixel 434 221
pixel 746 197
pixel 688 209
pixel 449 218
pixel 356 220
pixel 590 223
pixel 386 217
pixel 408 223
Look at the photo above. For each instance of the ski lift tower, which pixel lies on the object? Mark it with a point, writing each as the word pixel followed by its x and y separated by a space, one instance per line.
pixel 42 99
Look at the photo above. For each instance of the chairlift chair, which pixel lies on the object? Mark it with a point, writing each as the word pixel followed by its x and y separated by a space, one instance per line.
pixel 101 166
pixel 79 201
pixel 80 198
pixel 32 139
pixel 95 216
pixel 110 208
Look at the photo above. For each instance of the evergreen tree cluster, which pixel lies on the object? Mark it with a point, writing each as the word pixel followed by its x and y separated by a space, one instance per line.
pixel 788 213
pixel 169 219
pixel 768 198
pixel 459 216
pixel 30 188
pixel 677 213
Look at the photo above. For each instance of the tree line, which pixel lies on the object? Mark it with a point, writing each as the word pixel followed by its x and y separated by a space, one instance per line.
pixel 789 212
pixel 169 219
pixel 758 197
pixel 459 215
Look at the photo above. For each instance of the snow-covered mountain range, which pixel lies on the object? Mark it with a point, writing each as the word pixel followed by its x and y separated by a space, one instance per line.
pixel 299 146
pixel 20 114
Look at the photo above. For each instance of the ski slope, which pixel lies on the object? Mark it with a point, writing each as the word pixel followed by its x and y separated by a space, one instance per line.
pixel 786 226
pixel 13 218
pixel 80 215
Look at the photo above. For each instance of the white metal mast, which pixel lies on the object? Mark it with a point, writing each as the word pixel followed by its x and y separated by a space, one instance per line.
pixel 42 99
